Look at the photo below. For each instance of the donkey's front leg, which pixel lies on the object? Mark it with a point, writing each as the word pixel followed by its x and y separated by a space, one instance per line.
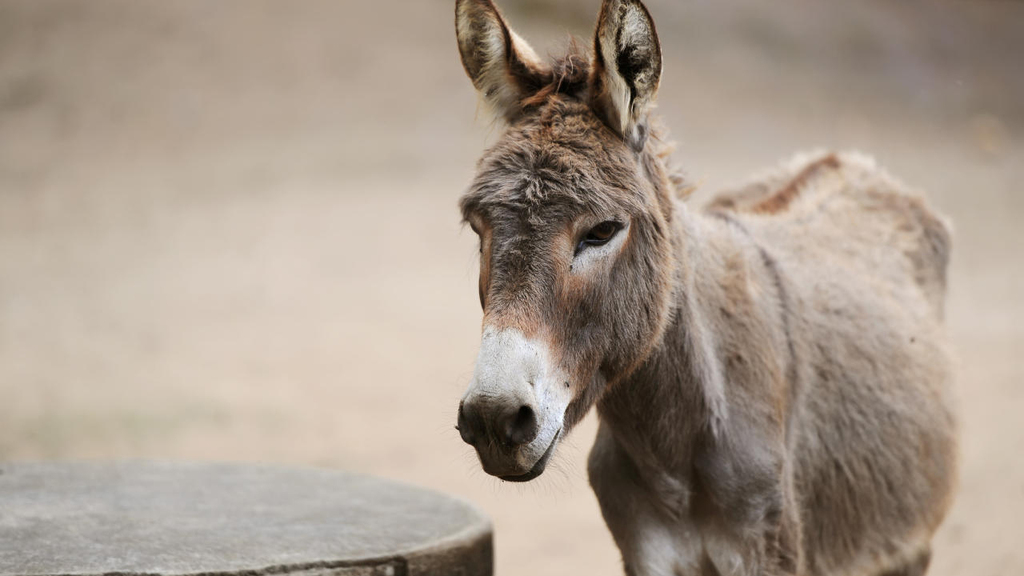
pixel 738 552
pixel 749 519
pixel 653 540
pixel 746 526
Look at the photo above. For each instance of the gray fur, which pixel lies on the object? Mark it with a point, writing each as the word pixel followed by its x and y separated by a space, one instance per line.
pixel 771 372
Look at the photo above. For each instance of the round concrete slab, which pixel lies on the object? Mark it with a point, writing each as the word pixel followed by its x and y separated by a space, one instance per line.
pixel 176 519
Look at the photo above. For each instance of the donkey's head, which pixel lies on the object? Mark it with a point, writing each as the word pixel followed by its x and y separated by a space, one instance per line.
pixel 572 209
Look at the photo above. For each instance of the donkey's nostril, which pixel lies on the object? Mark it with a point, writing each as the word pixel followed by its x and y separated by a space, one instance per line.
pixel 521 427
pixel 464 427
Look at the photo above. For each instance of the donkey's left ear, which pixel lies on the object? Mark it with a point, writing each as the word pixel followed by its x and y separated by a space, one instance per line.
pixel 627 68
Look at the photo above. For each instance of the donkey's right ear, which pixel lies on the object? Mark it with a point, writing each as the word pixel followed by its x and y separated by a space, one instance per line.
pixel 502 66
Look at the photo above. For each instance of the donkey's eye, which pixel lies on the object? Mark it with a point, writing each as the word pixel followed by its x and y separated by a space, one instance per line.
pixel 599 234
pixel 603 232
pixel 480 239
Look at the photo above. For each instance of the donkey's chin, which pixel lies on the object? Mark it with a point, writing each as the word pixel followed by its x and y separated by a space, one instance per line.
pixel 538 467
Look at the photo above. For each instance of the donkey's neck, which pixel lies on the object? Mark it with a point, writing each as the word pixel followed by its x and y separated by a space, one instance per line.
pixel 681 383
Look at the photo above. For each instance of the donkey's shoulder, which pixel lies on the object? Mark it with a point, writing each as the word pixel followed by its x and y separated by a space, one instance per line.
pixel 847 208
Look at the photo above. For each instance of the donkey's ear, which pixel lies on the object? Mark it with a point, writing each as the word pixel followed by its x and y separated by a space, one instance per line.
pixel 501 65
pixel 627 68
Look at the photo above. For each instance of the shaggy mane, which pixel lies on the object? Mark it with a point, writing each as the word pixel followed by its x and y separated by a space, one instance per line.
pixel 569 77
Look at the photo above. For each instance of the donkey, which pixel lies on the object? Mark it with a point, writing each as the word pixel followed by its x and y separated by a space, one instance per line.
pixel 770 371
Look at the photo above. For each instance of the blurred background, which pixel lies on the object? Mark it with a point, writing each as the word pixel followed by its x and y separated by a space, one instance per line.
pixel 228 229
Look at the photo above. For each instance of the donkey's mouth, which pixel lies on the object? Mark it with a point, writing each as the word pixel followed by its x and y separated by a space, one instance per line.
pixel 538 468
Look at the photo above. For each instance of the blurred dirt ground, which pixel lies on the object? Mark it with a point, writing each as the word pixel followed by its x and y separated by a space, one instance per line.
pixel 228 229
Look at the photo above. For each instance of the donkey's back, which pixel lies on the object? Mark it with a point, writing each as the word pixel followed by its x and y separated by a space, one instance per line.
pixel 862 261
pixel 843 210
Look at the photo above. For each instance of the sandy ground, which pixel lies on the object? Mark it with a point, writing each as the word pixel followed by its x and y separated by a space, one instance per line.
pixel 228 229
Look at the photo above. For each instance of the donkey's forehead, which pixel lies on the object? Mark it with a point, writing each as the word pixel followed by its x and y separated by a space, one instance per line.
pixel 559 160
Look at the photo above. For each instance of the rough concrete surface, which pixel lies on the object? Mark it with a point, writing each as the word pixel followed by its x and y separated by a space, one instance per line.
pixel 171 519
pixel 228 228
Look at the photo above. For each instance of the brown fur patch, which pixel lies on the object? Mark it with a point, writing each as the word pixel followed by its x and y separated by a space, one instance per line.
pixel 781 199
